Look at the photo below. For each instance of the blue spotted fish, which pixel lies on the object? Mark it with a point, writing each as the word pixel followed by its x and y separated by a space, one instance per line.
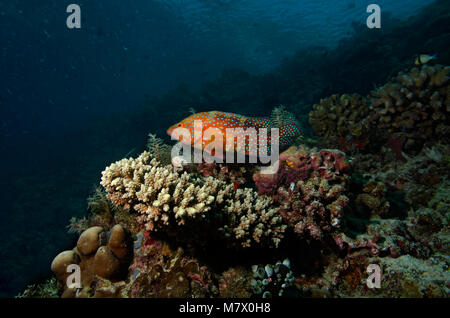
pixel 222 120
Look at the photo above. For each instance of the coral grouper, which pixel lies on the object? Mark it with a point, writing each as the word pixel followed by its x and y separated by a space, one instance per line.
pixel 281 119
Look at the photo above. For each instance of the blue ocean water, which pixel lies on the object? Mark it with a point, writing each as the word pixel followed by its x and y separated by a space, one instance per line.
pixel 65 94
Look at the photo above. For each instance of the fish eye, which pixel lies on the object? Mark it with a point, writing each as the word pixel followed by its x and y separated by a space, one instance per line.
pixel 179 125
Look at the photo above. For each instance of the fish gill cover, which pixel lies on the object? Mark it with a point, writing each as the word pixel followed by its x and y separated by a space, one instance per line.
pixel 84 114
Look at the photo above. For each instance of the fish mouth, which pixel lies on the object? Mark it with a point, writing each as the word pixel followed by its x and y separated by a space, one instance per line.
pixel 170 130
pixel 177 136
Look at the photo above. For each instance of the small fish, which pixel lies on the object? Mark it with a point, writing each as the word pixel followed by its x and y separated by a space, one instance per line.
pixel 290 163
pixel 422 59
pixel 223 120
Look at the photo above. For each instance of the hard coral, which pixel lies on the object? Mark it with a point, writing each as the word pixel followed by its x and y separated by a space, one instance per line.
pixel 230 173
pixel 100 260
pixel 160 195
pixel 310 187
pixel 272 280
pixel 373 198
pixel 171 202
pixel 416 104
pixel 254 220
pixel 158 270
pixel 300 164
pixel 340 117
pixel 235 283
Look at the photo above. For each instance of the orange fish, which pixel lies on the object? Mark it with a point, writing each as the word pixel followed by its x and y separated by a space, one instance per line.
pixel 290 163
pixel 222 120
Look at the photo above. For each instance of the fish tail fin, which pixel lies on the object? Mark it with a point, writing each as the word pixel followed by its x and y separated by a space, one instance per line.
pixel 291 129
pixel 286 122
pixel 434 56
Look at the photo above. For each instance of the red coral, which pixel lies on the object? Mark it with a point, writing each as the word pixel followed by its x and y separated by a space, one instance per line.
pixel 298 165
pixel 309 186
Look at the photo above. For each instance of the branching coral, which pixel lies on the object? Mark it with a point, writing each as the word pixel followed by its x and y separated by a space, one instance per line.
pixel 416 104
pixel 302 163
pixel 313 207
pixel 166 199
pixel 340 117
pixel 159 194
pixel 310 187
pixel 236 174
pixel 254 219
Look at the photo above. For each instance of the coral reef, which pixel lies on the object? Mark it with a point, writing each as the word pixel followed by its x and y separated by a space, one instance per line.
pixel 253 220
pixel 272 280
pixel 101 257
pixel 411 110
pixel 169 201
pixel 235 283
pixel 407 276
pixel 160 195
pixel 415 104
pixel 402 164
pixel 310 188
pixel 158 270
pixel 236 174
pixel 340 121
pixel 306 196
pixel 342 211
pixel 300 164
pixel 373 198
pixel 404 276
pixel 416 178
